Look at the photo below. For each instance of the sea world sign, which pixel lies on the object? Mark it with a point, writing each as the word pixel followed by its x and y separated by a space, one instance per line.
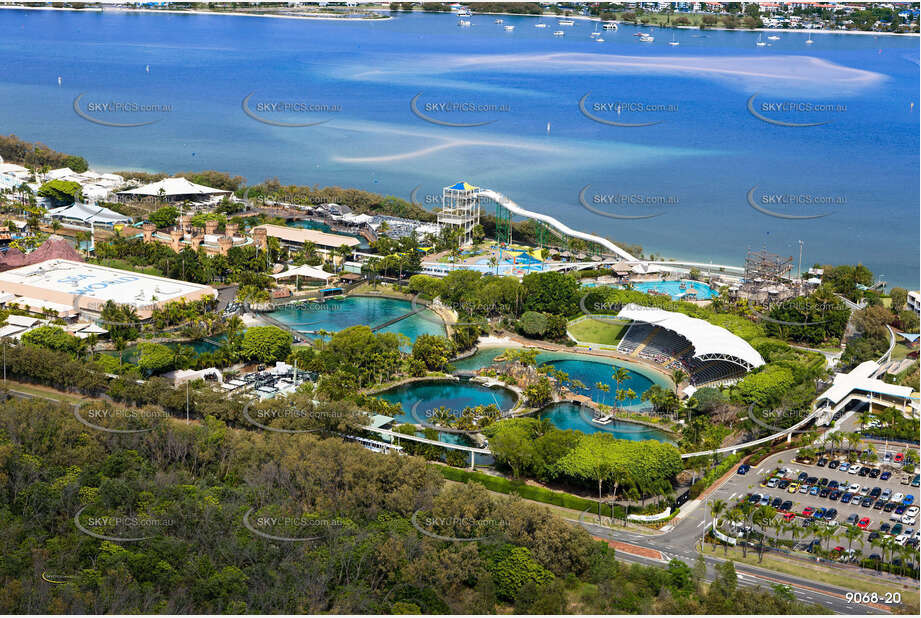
pixel 96 285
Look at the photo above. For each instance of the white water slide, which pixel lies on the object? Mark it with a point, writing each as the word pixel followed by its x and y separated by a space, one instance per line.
pixel 554 223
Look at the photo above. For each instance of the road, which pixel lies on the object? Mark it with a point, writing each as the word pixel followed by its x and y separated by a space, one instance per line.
pixel 681 542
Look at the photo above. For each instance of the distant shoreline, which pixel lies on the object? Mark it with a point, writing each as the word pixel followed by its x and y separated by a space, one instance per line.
pixel 321 17
pixel 122 10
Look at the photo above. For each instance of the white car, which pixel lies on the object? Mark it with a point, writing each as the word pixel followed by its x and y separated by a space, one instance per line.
pixel 912 511
pixel 898 497
pixel 854 469
pixel 895 517
pixel 909 519
pixel 887 493
pixel 772 483
pixel 901 539
pixel 854 488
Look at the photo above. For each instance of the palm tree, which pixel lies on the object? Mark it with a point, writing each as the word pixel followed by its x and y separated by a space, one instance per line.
pixel 678 376
pixel 853 533
pixel 493 261
pixel 736 516
pixel 619 376
pixel 716 509
pixel 762 518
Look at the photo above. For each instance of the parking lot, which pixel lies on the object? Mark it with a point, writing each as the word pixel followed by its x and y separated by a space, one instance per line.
pixel 877 504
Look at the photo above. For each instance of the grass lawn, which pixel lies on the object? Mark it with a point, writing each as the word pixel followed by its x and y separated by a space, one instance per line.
pixel 596 331
pixel 899 352
pixel 826 575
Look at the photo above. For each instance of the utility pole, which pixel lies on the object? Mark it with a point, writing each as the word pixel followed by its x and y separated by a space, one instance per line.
pixel 4 361
pixel 800 268
pixel 187 402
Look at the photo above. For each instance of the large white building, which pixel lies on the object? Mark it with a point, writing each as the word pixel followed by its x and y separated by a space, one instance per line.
pixel 74 288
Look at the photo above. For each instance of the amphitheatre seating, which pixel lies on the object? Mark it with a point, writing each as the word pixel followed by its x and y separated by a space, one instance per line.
pixel 635 335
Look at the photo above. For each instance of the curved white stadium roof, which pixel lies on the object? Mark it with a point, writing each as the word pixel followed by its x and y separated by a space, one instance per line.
pixel 709 341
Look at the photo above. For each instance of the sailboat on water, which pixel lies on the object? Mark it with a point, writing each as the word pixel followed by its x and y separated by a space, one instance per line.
pixel 674 42
pixel 809 41
pixel 760 43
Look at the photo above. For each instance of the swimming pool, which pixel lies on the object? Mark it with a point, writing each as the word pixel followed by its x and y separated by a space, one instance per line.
pixel 675 290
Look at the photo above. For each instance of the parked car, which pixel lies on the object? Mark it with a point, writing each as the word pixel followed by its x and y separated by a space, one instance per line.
pixel 772 483
pixel 890 506
pixel 863 523
pixel 912 511
pixel 754 499
pixel 787 505
pixel 814 490
pixel 804 488
pixel 873 536
pixel 765 500
pixel 831 516
pixel 808 511
pixel 822 462
pixel 863 471
pixel 854 488
pixel 819 513
pixel 823 493
pixel 802 476
pixel 776 503
pixel 898 496
pixel 887 493
pixel 897 529
pixel 788 517
pixel 867 502
pixel 887 457
pixel 783 484
pixel 874 473
pixel 874 493
pixel 852 519
pixel 908 500
pixel 844 467
pixel 854 469
pixel 794 487
pixel 744 468
pixel 916 481
pixel 823 482
pixel 846 498
pixel 878 505
pixel 884 529
pixel 885 476
pixel 833 484
pixel 909 520
pixel 833 464
pixel 899 458
pixel 834 495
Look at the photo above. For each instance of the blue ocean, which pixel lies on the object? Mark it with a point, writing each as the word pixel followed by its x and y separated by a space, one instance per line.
pixel 405 106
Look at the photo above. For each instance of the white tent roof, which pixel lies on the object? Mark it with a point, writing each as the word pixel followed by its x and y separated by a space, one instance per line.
pixel 705 337
pixel 859 379
pixel 175 186
pixel 87 214
pixel 305 271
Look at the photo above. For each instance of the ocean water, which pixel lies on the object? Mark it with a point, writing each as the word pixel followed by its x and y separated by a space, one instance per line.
pixel 856 174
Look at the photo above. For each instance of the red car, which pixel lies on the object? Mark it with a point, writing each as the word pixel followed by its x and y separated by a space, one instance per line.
pixel 788 516
pixel 808 511
pixel 899 457
pixel 863 523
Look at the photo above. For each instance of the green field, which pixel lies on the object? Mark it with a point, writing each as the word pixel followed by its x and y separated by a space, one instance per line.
pixel 595 331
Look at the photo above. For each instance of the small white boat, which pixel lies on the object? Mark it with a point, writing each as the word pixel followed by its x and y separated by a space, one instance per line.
pixel 809 41
pixel 641 34
pixel 60 80
pixel 499 21
pixel 600 39
pixel 548 128
pixel 558 33
pixel 760 43
pixel 147 68
pixel 463 13
pixel 610 26
pixel 540 24
pixel 647 38
pixel 509 28
pixel 602 420
pixel 464 22
pixel 773 37
pixel 566 22
pixel 674 42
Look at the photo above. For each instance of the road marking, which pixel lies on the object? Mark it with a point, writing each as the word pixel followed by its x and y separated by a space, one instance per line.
pixel 701 524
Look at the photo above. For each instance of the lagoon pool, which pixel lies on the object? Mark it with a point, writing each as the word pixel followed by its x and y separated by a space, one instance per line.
pixel 337 314
pixel 674 289
pixel 322 227
pixel 418 398
pixel 566 415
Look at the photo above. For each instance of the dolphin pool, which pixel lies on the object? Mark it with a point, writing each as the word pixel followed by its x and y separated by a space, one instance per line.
pixel 566 415
pixel 337 314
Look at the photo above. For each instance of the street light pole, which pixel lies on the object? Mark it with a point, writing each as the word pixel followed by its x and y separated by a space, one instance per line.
pixel 187 402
